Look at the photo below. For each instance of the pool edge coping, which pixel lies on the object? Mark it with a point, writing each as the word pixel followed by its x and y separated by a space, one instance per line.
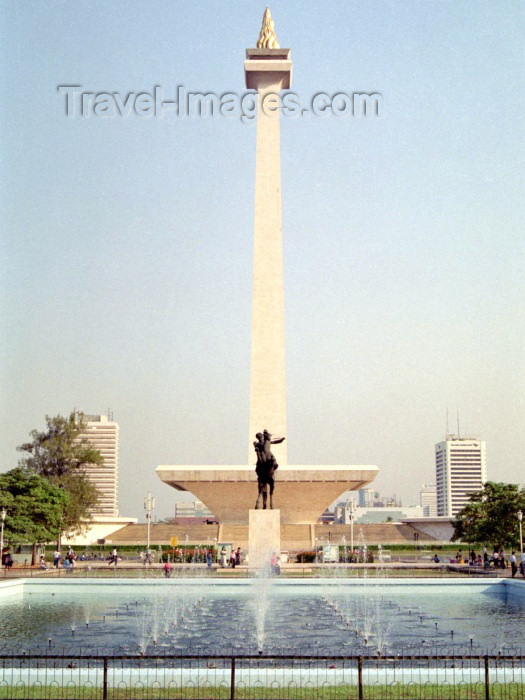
pixel 160 581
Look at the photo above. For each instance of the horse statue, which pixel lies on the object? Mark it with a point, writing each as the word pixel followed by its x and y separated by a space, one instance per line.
pixel 266 466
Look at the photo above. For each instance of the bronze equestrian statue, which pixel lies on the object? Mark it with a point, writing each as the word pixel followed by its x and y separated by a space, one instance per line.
pixel 266 466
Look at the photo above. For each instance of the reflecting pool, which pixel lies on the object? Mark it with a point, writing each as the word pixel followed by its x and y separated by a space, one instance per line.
pixel 321 616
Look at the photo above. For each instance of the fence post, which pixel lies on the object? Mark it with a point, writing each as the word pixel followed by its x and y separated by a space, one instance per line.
pixel 105 680
pixel 487 687
pixel 360 677
pixel 232 679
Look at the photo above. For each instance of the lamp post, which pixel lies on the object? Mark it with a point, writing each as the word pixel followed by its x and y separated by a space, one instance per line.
pixel 149 504
pixel 520 519
pixel 3 513
pixel 351 514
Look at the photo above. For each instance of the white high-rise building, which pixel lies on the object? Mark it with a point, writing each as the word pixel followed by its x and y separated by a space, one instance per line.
pixel 102 433
pixel 460 470
pixel 428 500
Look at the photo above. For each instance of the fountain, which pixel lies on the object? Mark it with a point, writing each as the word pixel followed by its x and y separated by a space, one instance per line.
pixel 263 615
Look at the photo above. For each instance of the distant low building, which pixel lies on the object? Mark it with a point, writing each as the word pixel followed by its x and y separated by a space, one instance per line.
pixel 439 528
pixel 346 511
pixel 386 514
pixel 193 509
pixel 194 521
pixel 327 517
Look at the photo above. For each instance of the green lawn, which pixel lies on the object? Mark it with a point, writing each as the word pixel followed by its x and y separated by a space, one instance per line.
pixel 512 691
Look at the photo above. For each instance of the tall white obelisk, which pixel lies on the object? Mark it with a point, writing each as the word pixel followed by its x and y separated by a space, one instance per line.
pixel 302 492
pixel 268 69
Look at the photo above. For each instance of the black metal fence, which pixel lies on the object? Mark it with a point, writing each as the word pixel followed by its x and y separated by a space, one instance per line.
pixel 418 677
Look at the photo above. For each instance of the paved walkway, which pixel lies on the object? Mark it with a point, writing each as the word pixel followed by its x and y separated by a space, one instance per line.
pixel 127 567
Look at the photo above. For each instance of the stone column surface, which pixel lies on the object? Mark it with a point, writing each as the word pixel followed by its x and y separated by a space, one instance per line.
pixel 264 537
pixel 268 71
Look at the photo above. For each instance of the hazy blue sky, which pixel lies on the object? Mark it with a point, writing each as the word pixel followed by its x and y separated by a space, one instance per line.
pixel 127 242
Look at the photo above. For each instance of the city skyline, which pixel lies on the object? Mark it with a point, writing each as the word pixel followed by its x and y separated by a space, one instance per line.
pixel 127 247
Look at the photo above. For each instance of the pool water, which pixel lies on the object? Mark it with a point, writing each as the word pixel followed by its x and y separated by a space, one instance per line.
pixel 329 616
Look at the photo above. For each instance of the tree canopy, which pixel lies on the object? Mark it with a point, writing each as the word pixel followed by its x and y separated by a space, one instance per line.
pixel 59 454
pixel 60 450
pixel 35 507
pixel 491 516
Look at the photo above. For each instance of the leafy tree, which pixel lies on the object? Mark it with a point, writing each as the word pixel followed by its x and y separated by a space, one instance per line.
pixel 491 516
pixel 59 454
pixel 60 450
pixel 83 497
pixel 35 507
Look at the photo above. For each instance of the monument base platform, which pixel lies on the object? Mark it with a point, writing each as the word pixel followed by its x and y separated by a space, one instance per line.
pixel 302 493
pixel 264 537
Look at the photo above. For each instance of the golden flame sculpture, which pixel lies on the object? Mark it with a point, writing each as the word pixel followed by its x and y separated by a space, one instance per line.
pixel 267 38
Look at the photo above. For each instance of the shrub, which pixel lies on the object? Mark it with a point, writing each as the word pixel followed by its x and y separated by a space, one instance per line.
pixel 305 557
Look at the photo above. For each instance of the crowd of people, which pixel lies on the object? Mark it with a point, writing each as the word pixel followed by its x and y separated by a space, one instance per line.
pixel 235 558
pixel 232 557
pixel 497 560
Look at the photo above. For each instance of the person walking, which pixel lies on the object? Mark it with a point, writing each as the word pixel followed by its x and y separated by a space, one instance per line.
pixel 222 558
pixel 56 558
pixel 502 560
pixel 148 557
pixel 513 565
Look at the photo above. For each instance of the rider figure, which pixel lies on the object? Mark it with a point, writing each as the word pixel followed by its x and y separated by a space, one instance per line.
pixel 266 465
